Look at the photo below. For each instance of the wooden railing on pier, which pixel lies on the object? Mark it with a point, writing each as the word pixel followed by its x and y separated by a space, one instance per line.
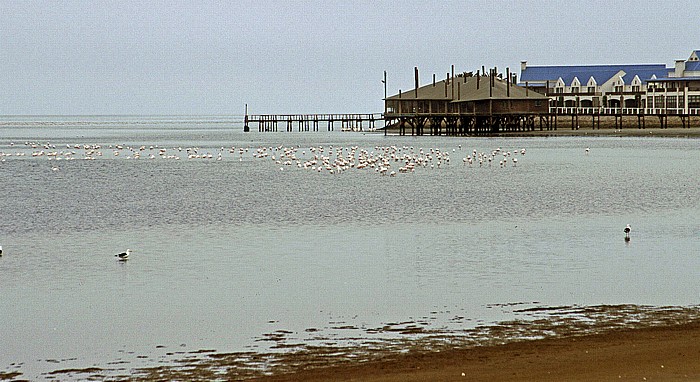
pixel 595 113
pixel 631 111
pixel 312 122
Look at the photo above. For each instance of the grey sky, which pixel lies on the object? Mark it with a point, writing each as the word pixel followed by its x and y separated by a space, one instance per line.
pixel 212 57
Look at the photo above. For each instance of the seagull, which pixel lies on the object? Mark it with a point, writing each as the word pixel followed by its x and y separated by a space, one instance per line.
pixel 0 250
pixel 123 255
pixel 627 232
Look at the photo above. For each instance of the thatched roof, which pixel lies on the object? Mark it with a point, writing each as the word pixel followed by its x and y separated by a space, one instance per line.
pixel 465 89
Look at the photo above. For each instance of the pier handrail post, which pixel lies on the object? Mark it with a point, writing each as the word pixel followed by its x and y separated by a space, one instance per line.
pixel 246 128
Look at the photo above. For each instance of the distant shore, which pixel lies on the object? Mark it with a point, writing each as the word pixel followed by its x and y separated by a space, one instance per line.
pixel 670 353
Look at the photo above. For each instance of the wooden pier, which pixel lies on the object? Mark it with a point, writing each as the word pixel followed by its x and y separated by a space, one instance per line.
pixel 312 122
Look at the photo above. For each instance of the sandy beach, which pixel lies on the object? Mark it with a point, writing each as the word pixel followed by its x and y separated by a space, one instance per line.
pixel 653 354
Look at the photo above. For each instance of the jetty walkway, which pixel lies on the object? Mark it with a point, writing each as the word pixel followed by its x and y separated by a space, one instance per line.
pixel 312 122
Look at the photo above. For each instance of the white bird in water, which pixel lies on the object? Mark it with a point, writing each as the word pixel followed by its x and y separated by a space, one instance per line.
pixel 123 255
pixel 0 250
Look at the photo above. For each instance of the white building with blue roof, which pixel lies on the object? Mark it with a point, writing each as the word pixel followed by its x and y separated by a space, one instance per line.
pixel 648 88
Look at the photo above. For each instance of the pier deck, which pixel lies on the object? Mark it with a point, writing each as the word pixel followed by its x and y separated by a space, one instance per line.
pixel 312 122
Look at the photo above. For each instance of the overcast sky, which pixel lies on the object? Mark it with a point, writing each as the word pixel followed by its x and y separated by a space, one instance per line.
pixel 212 57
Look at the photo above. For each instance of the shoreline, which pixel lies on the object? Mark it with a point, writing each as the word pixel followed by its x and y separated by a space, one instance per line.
pixel 556 343
pixel 662 353
pixel 670 132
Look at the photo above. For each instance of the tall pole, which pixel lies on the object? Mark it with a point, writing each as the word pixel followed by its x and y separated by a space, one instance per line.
pixel 384 82
pixel 246 128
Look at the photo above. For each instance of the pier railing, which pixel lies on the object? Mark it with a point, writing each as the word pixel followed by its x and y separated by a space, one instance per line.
pixel 622 111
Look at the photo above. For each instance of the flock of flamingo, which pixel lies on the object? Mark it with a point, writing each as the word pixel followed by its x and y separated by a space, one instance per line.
pixel 384 160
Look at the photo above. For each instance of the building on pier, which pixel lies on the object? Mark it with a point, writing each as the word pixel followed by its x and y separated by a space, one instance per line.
pixel 466 104
pixel 623 89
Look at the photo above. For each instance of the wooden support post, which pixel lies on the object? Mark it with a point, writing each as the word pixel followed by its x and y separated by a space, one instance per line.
pixel 452 80
pixel 572 122
pixel 416 75
pixel 508 82
pixel 246 127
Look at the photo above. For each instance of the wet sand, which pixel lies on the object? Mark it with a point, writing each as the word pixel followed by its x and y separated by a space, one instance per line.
pixel 653 354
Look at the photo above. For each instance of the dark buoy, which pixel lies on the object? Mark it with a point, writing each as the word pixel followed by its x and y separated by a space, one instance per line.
pixel 627 232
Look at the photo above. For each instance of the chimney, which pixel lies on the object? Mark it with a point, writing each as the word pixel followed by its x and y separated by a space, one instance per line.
pixel 680 68
pixel 433 79
pixel 399 93
pixel 523 66
pixel 478 79
pixel 459 90
pixel 416 72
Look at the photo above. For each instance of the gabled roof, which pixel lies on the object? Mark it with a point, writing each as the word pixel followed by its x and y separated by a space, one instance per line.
pixel 601 73
pixel 465 89
pixel 692 66
pixel 695 54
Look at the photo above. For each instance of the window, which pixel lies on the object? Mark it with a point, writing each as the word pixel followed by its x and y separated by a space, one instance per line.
pixel 618 89
pixel 591 89
pixel 538 103
pixel 671 102
pixel 694 101
pixel 574 89
pixel 559 90
pixel 659 101
pixel 636 88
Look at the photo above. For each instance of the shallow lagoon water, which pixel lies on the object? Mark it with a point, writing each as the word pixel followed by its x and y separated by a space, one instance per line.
pixel 227 253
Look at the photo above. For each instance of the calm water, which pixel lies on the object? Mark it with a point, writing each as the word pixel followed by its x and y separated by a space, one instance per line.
pixel 228 251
